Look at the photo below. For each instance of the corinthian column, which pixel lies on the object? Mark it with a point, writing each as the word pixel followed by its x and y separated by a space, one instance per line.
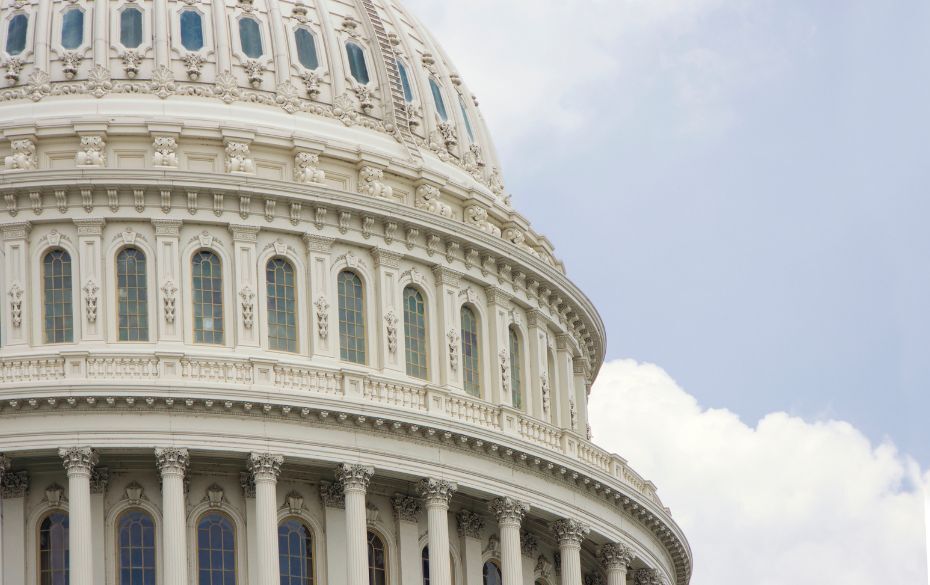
pixel 616 559
pixel 354 480
pixel 79 462
pixel 437 494
pixel 570 534
pixel 265 469
pixel 510 515
pixel 172 463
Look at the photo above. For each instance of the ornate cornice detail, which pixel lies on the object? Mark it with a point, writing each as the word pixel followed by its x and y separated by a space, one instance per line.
pixel 244 233
pixel 15 484
pixel 332 495
pixel 469 523
pixel 16 231
pixel 508 510
pixel 78 459
pixel 647 577
pixel 172 460
pixel 167 227
pixel 570 531
pixel 99 480
pixel 593 579
pixel 615 556
pixel 318 243
pixel 436 491
pixel 386 258
pixel 406 507
pixel 90 227
pixel 265 466
pixel 446 276
pixel 354 477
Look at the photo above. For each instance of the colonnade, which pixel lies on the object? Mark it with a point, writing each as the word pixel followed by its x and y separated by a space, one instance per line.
pixel 352 480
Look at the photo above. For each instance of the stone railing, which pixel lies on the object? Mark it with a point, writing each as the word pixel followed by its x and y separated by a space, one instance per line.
pixel 165 368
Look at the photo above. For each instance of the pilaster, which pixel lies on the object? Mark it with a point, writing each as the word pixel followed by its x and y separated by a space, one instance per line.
pixel 170 316
pixel 14 486
pixel 390 313
pixel 406 510
pixel 498 306
pixel 89 281
pixel 245 287
pixel 18 305
pixel 470 526
pixel 319 261
pixel 447 313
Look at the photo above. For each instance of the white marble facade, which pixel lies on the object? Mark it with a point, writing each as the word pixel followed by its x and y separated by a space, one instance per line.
pixel 270 317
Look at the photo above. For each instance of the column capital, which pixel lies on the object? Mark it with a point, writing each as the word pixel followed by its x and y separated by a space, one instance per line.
pixel 406 507
pixel 469 523
pixel 265 466
pixel 570 531
pixel 386 258
pixel 508 510
pixel 5 464
pixel 78 459
pixel 331 495
pixel 436 491
pixel 99 480
pixel 354 477
pixel 647 577
pixel 14 484
pixel 172 460
pixel 615 556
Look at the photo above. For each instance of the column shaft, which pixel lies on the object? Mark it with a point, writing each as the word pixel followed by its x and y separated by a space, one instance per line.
pixel 571 562
pixel 79 461
pixel 173 464
pixel 265 469
pixel 354 480
pixel 510 515
pixel 616 575
pixel 438 494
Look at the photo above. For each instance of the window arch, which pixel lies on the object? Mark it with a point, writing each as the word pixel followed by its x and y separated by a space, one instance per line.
pixel 516 368
pixel 54 549
pixel 16 34
pixel 437 98
pixel 468 128
pixel 207 277
pixel 306 48
pixel 377 560
pixel 415 338
pixel 72 28
pixel 136 542
pixel 295 552
pixel 130 28
pixel 216 550
pixel 191 30
pixel 57 298
pixel 404 81
pixel 250 37
pixel 282 305
pixel 491 574
pixel 132 295
pixel 351 318
pixel 471 360
pixel 357 66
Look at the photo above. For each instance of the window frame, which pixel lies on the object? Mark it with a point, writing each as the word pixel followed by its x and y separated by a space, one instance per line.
pixel 174 23
pixel 265 298
pixel 116 20
pixel 38 540
pixel 425 342
pixel 60 27
pixel 76 313
pixel 149 280
pixel 196 542
pixel 27 42
pixel 439 99
pixel 117 579
pixel 313 542
pixel 348 61
pixel 262 36
pixel 225 296
pixel 400 63
pixel 321 54
pixel 192 9
pixel 363 312
pixel 479 365
pixel 515 338
pixel 121 13
pixel 316 47
pixel 387 554
pixel 497 565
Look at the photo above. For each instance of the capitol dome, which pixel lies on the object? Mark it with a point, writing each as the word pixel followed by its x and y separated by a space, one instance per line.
pixel 270 316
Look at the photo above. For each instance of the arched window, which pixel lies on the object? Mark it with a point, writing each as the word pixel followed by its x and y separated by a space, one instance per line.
pixel 216 550
pixel 72 28
pixel 492 574
pixel 306 48
pixel 56 288
pixel 357 66
pixel 282 305
pixel 53 549
pixel 130 28
pixel 136 541
pixel 295 552
pixel 351 318
pixel 16 34
pixel 516 368
pixel 415 341
pixel 468 128
pixel 471 361
pixel 207 272
pixel 132 295
pixel 250 37
pixel 191 30
pixel 425 557
pixel 377 560
pixel 404 81
pixel 437 97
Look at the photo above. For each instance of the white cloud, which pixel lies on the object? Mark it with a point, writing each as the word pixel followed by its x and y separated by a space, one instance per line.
pixel 784 502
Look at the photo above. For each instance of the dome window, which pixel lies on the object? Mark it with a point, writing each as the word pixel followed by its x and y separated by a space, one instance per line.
pixel 282 305
pixel 471 350
pixel 352 339
pixel 58 311
pixel 405 82
pixel 357 66
pixel 72 29
pixel 130 28
pixel 191 30
pixel 416 343
pixel 471 133
pixel 306 48
pixel 251 38
pixel 16 34
pixel 437 97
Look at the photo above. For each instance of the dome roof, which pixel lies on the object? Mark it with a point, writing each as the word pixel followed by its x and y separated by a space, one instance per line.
pixel 364 63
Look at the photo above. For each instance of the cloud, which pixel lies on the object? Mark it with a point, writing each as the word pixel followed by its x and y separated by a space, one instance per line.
pixel 784 502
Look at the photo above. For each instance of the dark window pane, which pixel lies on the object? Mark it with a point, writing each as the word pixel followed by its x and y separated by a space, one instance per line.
pixel 130 28
pixel 250 37
pixel 72 29
pixel 191 30
pixel 16 34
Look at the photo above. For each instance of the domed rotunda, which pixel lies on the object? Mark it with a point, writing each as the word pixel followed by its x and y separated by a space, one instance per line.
pixel 269 316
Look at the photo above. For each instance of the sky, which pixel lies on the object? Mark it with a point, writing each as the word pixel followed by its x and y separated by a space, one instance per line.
pixel 758 171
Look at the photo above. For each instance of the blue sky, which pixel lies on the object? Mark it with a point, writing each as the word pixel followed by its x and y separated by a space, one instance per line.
pixel 759 171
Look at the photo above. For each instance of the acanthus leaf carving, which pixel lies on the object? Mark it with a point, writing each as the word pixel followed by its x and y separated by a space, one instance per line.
pixel 169 292
pixel 91 288
pixel 23 157
pixel 306 168
pixel 453 345
pixel 390 321
pixel 16 304
pixel 322 317
pixel 247 304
